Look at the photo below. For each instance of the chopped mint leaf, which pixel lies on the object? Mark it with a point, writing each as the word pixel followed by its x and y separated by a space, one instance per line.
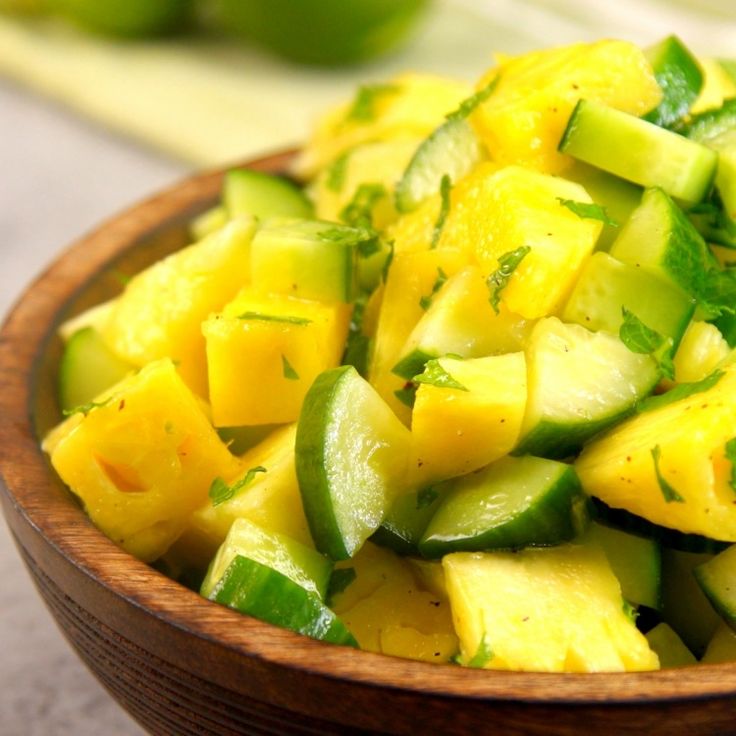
pixel 499 279
pixel 468 105
pixel 681 391
pixel 639 338
pixel 363 108
pixel 287 318
pixel 426 497
pixel 718 294
pixel 425 301
pixel 357 345
pixel 289 372
pixel 483 655
pixel 86 408
pixel 359 211
pixel 445 189
pixel 588 211
pixel 715 217
pixel 435 375
pixel 365 239
pixel 336 171
pixel 220 491
pixel 407 394
pixel 731 457
pixel 339 581
pixel 669 493
pixel 631 613
pixel 389 259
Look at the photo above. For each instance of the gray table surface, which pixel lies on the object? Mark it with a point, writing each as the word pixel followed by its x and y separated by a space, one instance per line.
pixel 59 177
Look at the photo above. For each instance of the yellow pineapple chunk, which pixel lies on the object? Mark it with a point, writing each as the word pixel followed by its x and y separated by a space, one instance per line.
pixel 523 120
pixel 669 465
pixel 142 460
pixel 495 212
pixel 410 106
pixel 388 611
pixel 701 349
pixel 264 351
pixel 556 609
pixel 457 431
pixel 159 314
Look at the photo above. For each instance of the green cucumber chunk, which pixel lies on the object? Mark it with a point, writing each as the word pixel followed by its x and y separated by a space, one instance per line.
pixel 717 578
pixel 679 77
pixel 407 519
pixel 515 502
pixel 268 595
pixel 714 128
pixel 248 192
pixel 636 561
pixel 660 239
pixel 579 382
pixel 670 649
pixel 87 368
pixel 308 258
pixel 303 565
pixel 639 151
pixel 351 460
pixel 452 150
pixel 606 286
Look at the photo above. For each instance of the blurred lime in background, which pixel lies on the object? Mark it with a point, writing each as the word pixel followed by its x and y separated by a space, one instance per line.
pixel 126 18
pixel 324 32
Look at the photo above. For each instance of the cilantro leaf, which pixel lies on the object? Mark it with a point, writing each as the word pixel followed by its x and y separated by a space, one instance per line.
pixel 588 211
pixel 483 655
pixel 469 104
pixel 499 279
pixel 426 301
pixel 363 108
pixel 407 394
pixel 669 493
pixel 445 189
pixel 86 408
pixel 336 171
pixel 435 375
pixel 639 338
pixel 287 318
pixel 426 497
pixel 681 391
pixel 289 372
pixel 220 491
pixel 731 457
pixel 359 211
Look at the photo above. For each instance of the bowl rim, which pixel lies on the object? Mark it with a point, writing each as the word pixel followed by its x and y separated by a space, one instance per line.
pixel 23 338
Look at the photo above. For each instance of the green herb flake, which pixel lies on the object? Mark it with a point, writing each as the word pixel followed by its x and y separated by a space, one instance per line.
pixel 669 493
pixel 439 282
pixel 588 211
pixel 731 457
pixel 469 104
pixel 483 655
pixel 630 611
pixel 639 338
pixel 336 172
pixel 445 189
pixel 220 491
pixel 499 279
pixel 718 292
pixel 285 318
pixel 289 373
pixel 363 108
pixel 340 579
pixel 365 239
pixel 169 427
pixel 86 408
pixel 389 260
pixel 435 375
pixel 426 497
pixel 407 394
pixel 679 392
pixel 359 211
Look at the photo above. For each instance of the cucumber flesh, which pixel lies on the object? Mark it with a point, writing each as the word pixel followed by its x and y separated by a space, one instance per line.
pixel 639 151
pixel 452 150
pixel 248 192
pixel 606 286
pixel 717 578
pixel 679 77
pixel 266 594
pixel 351 460
pixel 88 367
pixel 515 502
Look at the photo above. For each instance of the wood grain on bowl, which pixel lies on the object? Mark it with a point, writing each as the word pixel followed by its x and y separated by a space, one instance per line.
pixel 183 665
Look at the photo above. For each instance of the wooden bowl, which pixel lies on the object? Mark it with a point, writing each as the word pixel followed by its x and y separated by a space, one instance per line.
pixel 182 665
